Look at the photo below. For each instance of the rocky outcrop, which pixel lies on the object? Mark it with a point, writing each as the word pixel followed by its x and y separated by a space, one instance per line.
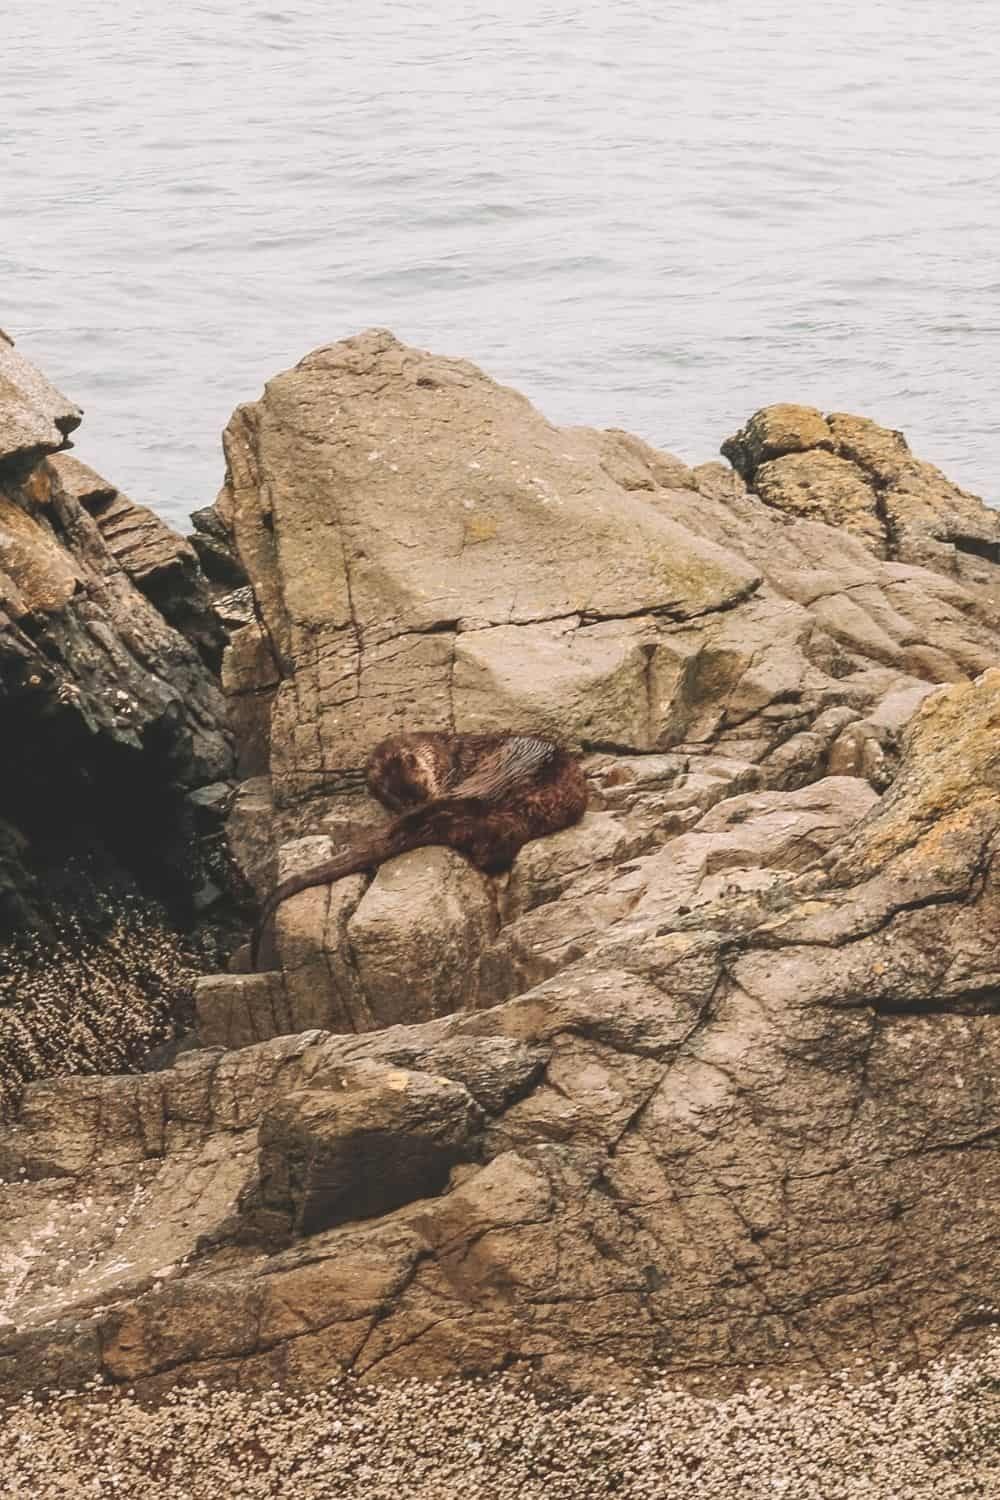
pixel 706 1083
pixel 748 1129
pixel 447 557
pixel 428 550
pixel 105 704
pixel 161 564
pixel 35 418
pixel 850 472
pixel 444 555
pixel 113 726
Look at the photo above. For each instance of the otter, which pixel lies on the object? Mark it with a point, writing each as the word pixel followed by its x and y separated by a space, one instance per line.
pixel 484 795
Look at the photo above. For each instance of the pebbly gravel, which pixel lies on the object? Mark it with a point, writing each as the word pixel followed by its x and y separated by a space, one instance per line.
pixel 934 1432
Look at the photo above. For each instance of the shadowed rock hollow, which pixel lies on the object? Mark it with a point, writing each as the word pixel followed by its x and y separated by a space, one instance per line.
pixel 708 1082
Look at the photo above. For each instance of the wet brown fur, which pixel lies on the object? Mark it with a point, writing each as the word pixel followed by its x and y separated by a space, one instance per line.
pixel 483 794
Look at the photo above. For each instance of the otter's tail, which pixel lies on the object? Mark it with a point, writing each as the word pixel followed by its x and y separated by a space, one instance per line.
pixel 415 829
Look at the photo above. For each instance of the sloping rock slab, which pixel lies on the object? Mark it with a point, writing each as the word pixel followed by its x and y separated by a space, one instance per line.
pixel 407 569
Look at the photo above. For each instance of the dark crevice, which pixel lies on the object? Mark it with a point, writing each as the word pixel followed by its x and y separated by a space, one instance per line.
pixel 975 546
pixel 879 494
pixel 779 939
pixel 978 1002
pixel 81 814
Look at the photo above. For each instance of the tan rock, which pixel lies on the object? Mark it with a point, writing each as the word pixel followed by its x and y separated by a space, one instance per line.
pixel 752 1091
pixel 321 984
pixel 636 465
pixel 577 684
pixel 41 576
pixel 774 431
pixel 354 556
pixel 144 546
pixel 250 834
pixel 236 1010
pixel 82 483
pixel 35 419
pixel 548 868
pixel 418 934
pixel 822 487
pixel 368 1141
pixel 718 1074
pixel 778 674
pixel 849 471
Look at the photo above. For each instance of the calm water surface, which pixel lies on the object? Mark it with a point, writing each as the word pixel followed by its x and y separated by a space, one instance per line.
pixel 645 214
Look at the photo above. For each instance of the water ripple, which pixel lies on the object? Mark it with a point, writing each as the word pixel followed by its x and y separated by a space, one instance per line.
pixel 644 214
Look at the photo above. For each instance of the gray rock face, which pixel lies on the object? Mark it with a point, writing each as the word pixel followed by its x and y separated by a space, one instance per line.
pixel 109 717
pixel 74 625
pixel 161 564
pixel 708 1081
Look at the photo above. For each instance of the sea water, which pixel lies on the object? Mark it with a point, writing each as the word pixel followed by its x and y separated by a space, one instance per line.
pixel 642 213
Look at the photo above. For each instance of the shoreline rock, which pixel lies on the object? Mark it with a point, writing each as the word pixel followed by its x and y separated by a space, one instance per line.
pixel 706 1084
pixel 113 727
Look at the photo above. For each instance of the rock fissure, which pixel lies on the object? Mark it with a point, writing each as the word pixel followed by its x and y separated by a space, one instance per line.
pixel 935 900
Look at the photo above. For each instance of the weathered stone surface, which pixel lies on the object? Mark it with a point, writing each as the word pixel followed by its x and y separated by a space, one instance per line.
pixel 108 711
pixel 35 419
pixel 411 561
pixel 357 1144
pixel 159 562
pixel 250 834
pixel 849 471
pixel 748 1127
pixel 773 432
pixel 418 934
pixel 822 487
pixel 405 946
pixel 109 719
pixel 236 1010
pixel 680 644
pixel 707 1082
pixel 574 582
pixel 250 679
pixel 213 543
